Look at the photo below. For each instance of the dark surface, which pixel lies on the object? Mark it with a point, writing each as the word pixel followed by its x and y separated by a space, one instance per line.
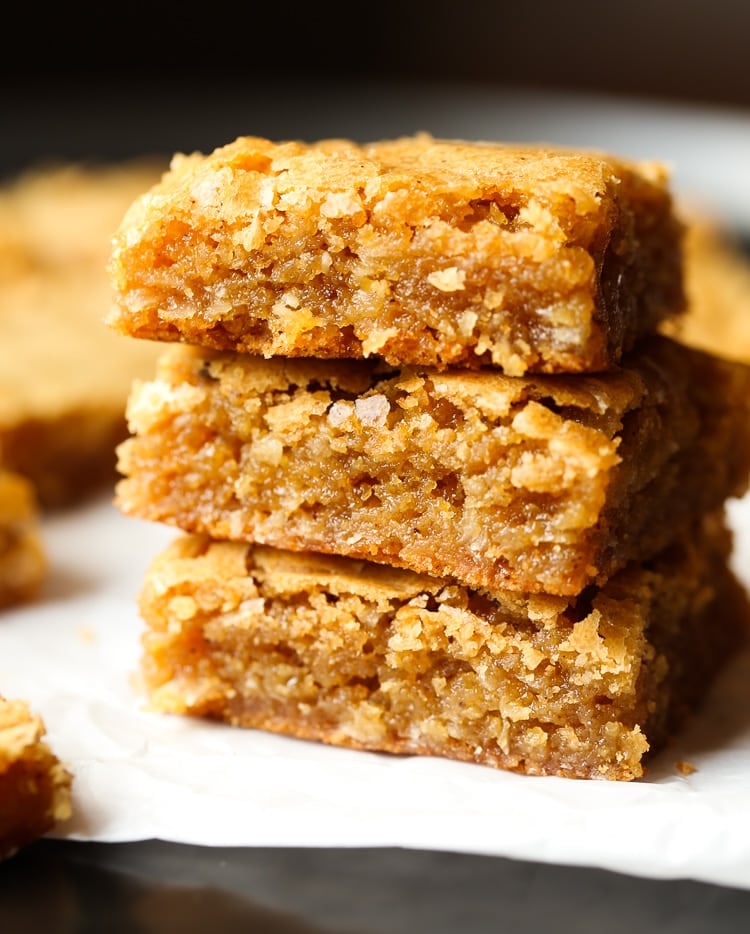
pixel 56 887
pixel 680 49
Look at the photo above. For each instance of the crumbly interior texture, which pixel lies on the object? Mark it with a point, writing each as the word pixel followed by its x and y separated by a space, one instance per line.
pixel 423 251
pixel 64 375
pixel 537 483
pixel 717 283
pixel 35 786
pixel 23 562
pixel 372 657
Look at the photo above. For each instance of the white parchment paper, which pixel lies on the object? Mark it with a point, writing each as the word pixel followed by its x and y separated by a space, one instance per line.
pixel 138 775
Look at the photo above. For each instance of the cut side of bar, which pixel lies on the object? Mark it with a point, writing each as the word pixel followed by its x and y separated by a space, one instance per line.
pixel 375 658
pixel 422 251
pixel 537 484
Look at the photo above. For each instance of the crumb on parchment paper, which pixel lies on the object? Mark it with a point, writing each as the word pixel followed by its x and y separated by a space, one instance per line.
pixel 685 768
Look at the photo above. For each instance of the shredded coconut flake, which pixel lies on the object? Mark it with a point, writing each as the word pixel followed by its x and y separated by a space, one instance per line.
pixel 377 339
pixel 466 323
pixel 339 412
pixel 448 280
pixel 339 204
pixel 494 298
pixel 372 410
pixel 205 192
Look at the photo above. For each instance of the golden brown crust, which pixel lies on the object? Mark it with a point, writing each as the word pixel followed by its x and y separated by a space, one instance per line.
pixel 64 376
pixel 34 785
pixel 372 657
pixel 535 483
pixel 23 562
pixel 423 251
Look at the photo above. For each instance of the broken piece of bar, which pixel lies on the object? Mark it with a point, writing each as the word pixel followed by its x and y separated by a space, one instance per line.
pixel 34 784
pixel 420 250
pixel 371 657
pixel 538 483
pixel 23 561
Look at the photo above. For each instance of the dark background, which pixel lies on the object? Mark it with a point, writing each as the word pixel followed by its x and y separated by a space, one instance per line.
pixel 686 50
pixel 112 82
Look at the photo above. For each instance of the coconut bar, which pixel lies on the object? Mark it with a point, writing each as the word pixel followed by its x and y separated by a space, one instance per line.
pixel 423 251
pixel 539 483
pixel 64 376
pixel 371 657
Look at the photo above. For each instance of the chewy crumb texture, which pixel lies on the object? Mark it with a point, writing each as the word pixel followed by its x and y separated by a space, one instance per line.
pixel 34 785
pixel 537 483
pixel 23 562
pixel 376 658
pixel 420 250
pixel 64 375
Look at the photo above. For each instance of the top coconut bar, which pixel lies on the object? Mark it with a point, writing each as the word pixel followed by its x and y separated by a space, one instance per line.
pixel 418 250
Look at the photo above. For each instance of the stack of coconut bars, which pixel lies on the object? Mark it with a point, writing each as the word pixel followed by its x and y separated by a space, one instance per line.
pixel 443 488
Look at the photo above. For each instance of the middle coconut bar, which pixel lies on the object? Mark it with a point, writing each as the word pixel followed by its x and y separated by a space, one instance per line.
pixel 537 484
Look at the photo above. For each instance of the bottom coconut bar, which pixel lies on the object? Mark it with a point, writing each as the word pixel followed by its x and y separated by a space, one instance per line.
pixel 371 657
